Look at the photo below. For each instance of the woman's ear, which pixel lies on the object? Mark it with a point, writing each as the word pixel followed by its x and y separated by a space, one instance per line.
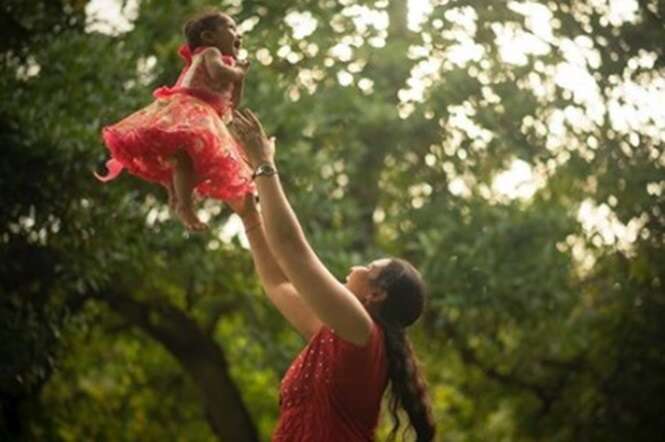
pixel 376 296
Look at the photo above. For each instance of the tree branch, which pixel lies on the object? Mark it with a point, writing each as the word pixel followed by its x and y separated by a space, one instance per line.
pixel 200 356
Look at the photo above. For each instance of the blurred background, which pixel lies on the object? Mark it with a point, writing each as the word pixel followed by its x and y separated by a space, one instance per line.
pixel 512 150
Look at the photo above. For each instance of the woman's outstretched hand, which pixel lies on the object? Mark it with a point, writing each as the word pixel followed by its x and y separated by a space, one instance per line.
pixel 247 129
pixel 245 206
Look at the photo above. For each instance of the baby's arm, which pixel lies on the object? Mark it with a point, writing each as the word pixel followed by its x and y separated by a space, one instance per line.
pixel 238 89
pixel 218 70
pixel 239 86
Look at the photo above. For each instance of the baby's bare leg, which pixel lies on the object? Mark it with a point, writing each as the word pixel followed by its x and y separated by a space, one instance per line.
pixel 171 192
pixel 183 186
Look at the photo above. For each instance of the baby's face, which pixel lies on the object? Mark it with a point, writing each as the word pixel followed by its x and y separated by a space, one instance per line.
pixel 226 37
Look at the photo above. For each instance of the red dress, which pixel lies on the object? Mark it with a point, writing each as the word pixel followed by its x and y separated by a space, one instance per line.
pixel 332 391
pixel 190 118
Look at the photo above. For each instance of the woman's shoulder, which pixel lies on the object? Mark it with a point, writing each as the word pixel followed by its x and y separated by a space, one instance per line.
pixel 376 338
pixel 352 361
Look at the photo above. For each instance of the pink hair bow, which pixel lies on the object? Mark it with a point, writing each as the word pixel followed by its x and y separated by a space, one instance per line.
pixel 186 53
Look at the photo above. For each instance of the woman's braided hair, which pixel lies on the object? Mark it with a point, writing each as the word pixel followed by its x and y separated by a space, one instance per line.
pixel 402 306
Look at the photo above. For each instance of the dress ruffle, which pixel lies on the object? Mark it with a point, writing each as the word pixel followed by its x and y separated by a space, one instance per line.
pixel 187 119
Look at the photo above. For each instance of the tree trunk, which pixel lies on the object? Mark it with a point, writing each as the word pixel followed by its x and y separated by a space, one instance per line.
pixel 201 357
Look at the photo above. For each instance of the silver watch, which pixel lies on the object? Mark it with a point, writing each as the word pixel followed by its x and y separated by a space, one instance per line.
pixel 264 169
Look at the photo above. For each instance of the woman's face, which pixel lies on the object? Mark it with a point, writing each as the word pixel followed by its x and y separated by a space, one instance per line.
pixel 358 281
pixel 225 37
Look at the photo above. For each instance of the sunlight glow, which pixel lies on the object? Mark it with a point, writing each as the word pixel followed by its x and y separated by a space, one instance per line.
pixel 110 17
pixel 604 228
pixel 537 18
pixel 620 11
pixel 344 78
pixel 342 51
pixel 302 24
pixel 233 227
pixel 631 107
pixel 519 181
pixel 419 10
pixel 459 187
pixel 29 70
pixel 363 18
pixel 515 44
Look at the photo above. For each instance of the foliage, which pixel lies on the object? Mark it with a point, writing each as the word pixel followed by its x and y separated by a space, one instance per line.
pixel 391 140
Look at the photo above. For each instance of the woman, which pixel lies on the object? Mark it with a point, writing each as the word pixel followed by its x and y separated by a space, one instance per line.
pixel 357 342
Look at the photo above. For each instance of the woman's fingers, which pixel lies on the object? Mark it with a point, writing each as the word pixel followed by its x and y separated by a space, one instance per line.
pixel 235 129
pixel 254 120
pixel 243 114
pixel 247 129
pixel 256 126
pixel 251 118
pixel 239 121
pixel 248 124
pixel 240 117
pixel 242 128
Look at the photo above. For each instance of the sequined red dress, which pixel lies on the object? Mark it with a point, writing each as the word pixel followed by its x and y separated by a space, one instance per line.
pixel 191 115
pixel 332 391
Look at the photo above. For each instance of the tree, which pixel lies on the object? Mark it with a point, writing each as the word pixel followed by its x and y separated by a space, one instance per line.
pixel 392 137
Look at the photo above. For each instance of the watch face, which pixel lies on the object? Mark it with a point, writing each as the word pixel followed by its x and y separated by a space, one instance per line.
pixel 265 170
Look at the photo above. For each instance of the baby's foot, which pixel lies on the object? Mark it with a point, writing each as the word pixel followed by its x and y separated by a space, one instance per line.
pixel 189 219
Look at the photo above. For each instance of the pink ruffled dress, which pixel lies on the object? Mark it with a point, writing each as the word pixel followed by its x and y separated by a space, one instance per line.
pixel 188 117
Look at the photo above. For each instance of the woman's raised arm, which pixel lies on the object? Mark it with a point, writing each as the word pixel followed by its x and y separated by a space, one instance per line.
pixel 330 300
pixel 278 288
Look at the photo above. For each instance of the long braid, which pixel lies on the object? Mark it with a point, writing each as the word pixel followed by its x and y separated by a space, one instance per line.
pixel 407 387
pixel 402 306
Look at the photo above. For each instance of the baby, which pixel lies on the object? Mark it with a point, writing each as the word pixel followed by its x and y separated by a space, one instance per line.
pixel 181 140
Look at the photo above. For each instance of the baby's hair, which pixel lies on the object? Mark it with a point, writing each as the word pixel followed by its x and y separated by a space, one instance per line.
pixel 204 21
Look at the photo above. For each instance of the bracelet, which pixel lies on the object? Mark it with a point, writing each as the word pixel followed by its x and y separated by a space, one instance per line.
pixel 252 227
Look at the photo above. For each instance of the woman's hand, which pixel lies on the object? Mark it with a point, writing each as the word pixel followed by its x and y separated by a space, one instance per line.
pixel 244 207
pixel 247 129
